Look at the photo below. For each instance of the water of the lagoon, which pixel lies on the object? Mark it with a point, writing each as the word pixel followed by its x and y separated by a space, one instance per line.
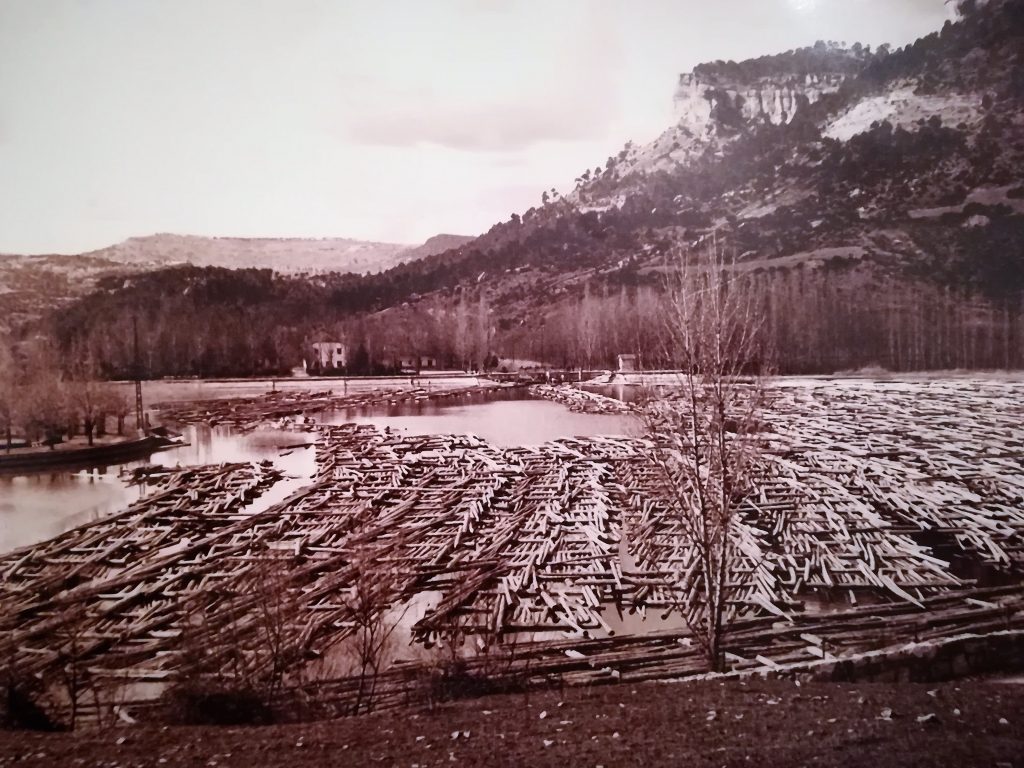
pixel 502 422
pixel 38 506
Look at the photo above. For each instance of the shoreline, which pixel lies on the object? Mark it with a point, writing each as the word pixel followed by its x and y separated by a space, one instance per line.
pixel 117 452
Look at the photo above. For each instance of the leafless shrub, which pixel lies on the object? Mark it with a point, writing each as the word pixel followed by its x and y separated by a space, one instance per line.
pixel 72 673
pixel 237 649
pixel 369 600
pixel 22 698
pixel 471 661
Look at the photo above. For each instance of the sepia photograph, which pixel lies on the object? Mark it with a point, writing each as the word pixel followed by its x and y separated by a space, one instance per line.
pixel 571 383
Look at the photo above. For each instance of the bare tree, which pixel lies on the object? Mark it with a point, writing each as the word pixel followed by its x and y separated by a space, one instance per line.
pixel 72 673
pixel 239 649
pixel 703 433
pixel 114 403
pixel 461 332
pixel 483 332
pixel 86 397
pixel 471 658
pixel 587 328
pixel 8 393
pixel 369 602
pixel 279 640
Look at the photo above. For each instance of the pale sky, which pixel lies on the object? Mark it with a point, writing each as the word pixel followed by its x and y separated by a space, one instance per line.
pixel 376 120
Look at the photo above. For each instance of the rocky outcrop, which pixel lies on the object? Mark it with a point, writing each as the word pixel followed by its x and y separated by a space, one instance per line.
pixel 715 104
pixel 701 106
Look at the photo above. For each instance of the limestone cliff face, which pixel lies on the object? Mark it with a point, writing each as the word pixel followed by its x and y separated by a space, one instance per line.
pixel 713 110
pixel 701 106
pixel 719 102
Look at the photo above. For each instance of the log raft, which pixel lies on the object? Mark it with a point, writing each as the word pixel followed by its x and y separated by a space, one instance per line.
pixel 866 531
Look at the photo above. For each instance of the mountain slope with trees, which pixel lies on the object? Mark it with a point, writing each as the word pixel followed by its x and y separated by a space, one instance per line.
pixel 884 222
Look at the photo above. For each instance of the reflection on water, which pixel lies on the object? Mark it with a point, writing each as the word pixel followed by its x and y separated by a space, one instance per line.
pixel 221 444
pixel 628 392
pixel 38 506
pixel 504 422
pixel 639 621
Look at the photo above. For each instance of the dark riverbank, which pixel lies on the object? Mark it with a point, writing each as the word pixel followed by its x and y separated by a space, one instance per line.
pixel 773 723
pixel 63 456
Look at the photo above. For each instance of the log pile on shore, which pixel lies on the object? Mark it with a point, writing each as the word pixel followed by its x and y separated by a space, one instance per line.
pixel 896 527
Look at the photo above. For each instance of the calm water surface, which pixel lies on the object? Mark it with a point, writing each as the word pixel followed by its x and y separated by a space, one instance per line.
pixel 500 422
pixel 38 506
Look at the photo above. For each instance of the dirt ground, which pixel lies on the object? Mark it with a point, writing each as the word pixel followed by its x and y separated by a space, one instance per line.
pixel 706 724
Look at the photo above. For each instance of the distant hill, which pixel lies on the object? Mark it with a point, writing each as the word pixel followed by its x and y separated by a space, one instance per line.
pixel 434 245
pixel 288 255
pixel 31 286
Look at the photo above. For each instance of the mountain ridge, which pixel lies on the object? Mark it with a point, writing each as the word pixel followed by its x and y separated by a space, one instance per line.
pixel 40 283
pixel 284 254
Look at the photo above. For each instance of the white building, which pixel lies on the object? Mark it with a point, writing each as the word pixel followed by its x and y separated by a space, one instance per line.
pixel 417 362
pixel 329 354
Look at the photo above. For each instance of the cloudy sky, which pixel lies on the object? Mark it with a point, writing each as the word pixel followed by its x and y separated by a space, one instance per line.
pixel 379 120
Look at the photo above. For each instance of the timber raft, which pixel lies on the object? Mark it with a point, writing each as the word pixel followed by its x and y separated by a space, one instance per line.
pixel 580 400
pixel 884 516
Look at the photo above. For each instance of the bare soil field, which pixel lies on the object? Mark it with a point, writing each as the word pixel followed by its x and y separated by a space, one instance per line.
pixel 695 724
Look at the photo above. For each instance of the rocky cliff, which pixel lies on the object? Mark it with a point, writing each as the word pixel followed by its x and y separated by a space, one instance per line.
pixel 717 100
pixel 774 100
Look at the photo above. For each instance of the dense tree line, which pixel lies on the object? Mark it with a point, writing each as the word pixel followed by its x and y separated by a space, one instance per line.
pixel 823 57
pixel 813 323
pixel 836 317
pixel 41 403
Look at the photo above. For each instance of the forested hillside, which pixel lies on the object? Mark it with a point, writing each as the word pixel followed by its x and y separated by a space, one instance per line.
pixel 882 218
